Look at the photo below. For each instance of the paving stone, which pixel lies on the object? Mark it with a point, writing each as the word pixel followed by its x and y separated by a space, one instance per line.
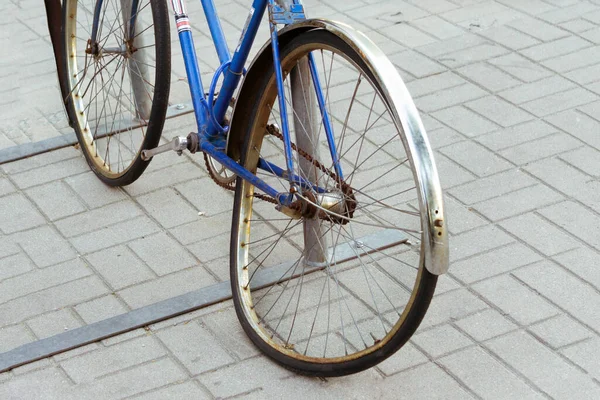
pixel 538 29
pixel 202 228
pixel 93 191
pixel 518 202
pixel 492 186
pixel 186 390
pixel 210 202
pixel 430 341
pixel 161 253
pixel 493 262
pixel 55 200
pixel 64 295
pixel 452 306
pixel 100 309
pixel 120 267
pixel 44 246
pixel 485 325
pixel 576 220
pixel 434 83
pixel 14 265
pixel 509 37
pixel 584 75
pixel 499 111
pixel 474 11
pixel 229 333
pixel 14 336
pixel 463 218
pixel 486 376
pixel 540 234
pixel 465 121
pixel 520 67
pixel 557 102
pixel 50 383
pixel 488 76
pixel 582 262
pixel 416 64
pixel 585 355
pixel 513 298
pixel 449 97
pixel 408 356
pixel 535 90
pixel 18 214
pixel 53 323
pixel 560 331
pixel 577 25
pixel 567 13
pixel 195 347
pixel 477 241
pixel 571 61
pixel 114 234
pixel 544 368
pixel 167 206
pixel 437 27
pixel 165 177
pixel 476 158
pixel 6 187
pixel 50 172
pixel 166 287
pixel 579 125
pixel 558 285
pixel 407 36
pixel 556 48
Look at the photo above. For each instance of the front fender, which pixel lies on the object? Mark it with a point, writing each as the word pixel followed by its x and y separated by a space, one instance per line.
pixel 433 221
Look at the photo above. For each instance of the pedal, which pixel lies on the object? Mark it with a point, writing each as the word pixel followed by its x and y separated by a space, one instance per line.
pixel 178 144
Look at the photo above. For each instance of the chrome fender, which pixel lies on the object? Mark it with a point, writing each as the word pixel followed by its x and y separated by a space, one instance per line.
pixel 433 221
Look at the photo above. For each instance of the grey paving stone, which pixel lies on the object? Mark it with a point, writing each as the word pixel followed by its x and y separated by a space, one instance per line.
pixel 452 306
pixel 571 61
pixel 195 347
pixel 93 191
pixel 210 202
pixel 555 48
pixel 471 55
pixel 493 262
pixel 585 159
pixel 488 76
pixel 67 294
pixel 486 376
pixel 509 37
pixel 430 341
pixel 442 47
pixel 513 298
pixel 442 137
pixel 449 97
pixel 465 121
pixel 544 368
pixel 166 287
pixel 50 172
pixel 463 218
pixel 476 158
pixel 540 234
pixel 165 177
pixel 499 111
pixel 474 11
pixel 477 241
pixel 163 254
pixel 6 187
pixel 50 383
pixel 14 265
pixel 213 248
pixel 408 356
pixel 570 12
pixel 100 309
pixel 44 246
pixel 437 27
pixel 189 390
pixel 18 214
pixel 202 228
pixel 560 331
pixel 518 202
pixel 114 234
pixel 416 64
pixel 492 186
pixel 585 355
pixel 576 220
pixel 579 125
pixel 485 325
pixel 167 206
pixel 55 200
pixel 582 262
pixel 538 29
pixel 577 25
pixel 98 218
pixel 520 67
pixel 437 6
pixel 535 90
pixel 433 83
pixel 53 323
pixel 407 35
pixel 14 336
pixel 120 267
pixel 559 286
pixel 40 279
pixel 89 366
pixel 229 333
pixel 557 102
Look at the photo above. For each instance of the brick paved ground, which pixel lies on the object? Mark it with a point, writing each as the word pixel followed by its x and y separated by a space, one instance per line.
pixel 509 92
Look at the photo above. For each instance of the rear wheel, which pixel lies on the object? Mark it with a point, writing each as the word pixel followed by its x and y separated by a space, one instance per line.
pixel 118 85
pixel 340 284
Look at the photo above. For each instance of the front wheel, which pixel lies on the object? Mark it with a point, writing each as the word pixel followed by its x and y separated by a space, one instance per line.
pixel 339 283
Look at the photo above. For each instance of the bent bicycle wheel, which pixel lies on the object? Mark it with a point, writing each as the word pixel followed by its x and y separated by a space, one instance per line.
pixel 119 83
pixel 337 282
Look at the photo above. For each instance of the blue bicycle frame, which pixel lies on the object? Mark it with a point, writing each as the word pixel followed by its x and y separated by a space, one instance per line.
pixel 210 112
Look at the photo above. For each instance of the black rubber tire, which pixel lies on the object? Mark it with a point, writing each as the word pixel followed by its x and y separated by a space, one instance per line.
pixel 160 101
pixel 423 291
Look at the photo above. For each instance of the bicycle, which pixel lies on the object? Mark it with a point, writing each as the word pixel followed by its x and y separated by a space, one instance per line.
pixel 338 229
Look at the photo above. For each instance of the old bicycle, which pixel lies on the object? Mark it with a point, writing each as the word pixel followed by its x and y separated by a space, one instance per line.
pixel 338 232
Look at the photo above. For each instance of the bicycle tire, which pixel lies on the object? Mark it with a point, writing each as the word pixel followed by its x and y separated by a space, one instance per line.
pixel 247 252
pixel 119 108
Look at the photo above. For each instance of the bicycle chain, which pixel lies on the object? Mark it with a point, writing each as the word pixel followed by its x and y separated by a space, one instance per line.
pixel 274 131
